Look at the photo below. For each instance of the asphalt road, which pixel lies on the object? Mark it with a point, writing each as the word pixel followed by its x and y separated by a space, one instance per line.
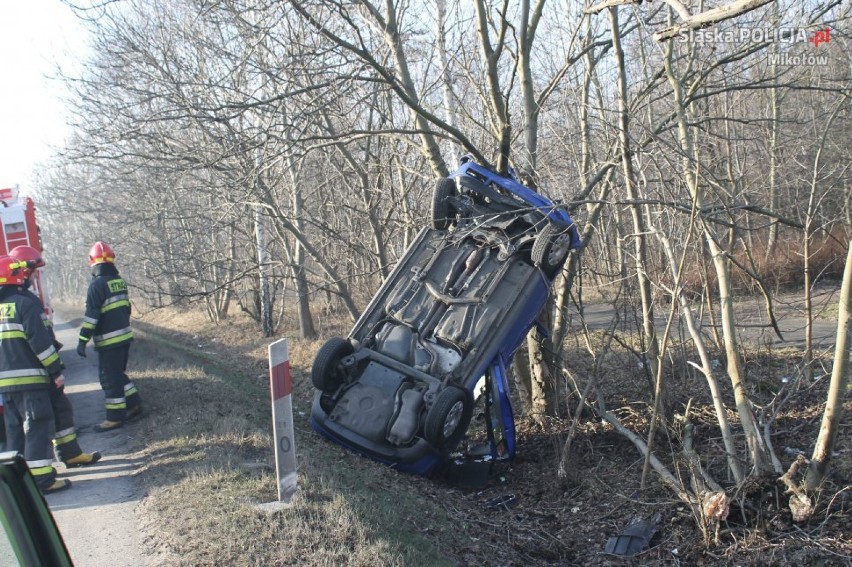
pixel 96 515
pixel 753 323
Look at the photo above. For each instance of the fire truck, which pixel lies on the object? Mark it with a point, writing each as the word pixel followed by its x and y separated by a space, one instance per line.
pixel 18 227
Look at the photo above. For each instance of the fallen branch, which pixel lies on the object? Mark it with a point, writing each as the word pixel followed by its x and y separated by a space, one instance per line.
pixel 667 477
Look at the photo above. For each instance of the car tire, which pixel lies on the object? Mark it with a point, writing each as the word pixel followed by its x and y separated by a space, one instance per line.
pixel 442 210
pixel 448 418
pixel 326 373
pixel 550 249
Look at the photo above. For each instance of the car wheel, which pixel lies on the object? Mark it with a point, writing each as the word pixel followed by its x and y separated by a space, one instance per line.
pixel 550 249
pixel 326 373
pixel 442 210
pixel 448 419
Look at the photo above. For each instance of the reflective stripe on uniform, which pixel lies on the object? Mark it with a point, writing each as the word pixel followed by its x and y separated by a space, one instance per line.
pixel 116 403
pixel 130 389
pixel 116 340
pixel 12 335
pixel 112 334
pixel 64 432
pixel 64 436
pixel 23 381
pixel 51 359
pixel 114 337
pixel 42 471
pixel 19 372
pixel 23 377
pixel 114 302
pixel 41 467
pixel 11 326
pixel 48 356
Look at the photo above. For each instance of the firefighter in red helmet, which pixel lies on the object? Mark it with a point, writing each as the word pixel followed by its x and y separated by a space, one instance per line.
pixel 29 369
pixel 65 435
pixel 107 323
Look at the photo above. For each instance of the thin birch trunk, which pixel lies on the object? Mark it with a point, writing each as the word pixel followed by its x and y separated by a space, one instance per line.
pixel 640 246
pixel 721 264
pixel 824 446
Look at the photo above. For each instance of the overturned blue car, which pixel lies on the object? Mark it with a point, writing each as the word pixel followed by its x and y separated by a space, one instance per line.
pixel 438 336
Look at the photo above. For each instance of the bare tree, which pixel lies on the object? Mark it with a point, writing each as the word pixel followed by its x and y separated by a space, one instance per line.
pixel 839 378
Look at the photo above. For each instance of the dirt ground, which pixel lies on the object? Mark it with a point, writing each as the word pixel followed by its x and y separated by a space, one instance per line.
pixel 522 513
pixel 96 515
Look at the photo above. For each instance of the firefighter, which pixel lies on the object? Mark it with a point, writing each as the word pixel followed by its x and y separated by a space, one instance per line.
pixel 65 442
pixel 29 369
pixel 107 323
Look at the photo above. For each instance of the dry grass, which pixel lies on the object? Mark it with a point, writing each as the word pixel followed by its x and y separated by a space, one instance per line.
pixel 208 461
pixel 784 268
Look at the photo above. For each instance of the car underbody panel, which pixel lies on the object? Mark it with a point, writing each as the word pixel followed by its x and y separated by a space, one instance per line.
pixel 402 386
pixel 440 318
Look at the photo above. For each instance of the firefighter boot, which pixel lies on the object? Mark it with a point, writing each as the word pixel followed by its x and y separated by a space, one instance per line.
pixel 134 412
pixel 108 425
pixel 58 484
pixel 83 459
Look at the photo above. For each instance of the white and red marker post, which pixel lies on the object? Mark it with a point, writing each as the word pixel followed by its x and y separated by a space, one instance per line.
pixel 282 419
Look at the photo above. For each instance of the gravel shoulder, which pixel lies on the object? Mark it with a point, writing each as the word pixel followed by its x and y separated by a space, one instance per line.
pixel 96 515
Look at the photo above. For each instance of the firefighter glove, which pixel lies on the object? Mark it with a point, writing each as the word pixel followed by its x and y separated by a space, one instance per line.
pixel 81 349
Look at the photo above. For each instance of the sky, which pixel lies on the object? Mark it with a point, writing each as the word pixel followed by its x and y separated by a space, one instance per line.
pixel 35 35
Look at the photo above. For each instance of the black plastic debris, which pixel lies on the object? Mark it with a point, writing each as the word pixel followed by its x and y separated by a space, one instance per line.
pixel 471 475
pixel 634 537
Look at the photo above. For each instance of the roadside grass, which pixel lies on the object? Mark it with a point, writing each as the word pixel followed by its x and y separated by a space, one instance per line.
pixel 208 460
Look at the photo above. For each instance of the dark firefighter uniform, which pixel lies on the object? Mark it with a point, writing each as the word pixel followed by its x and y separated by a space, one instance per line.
pixel 65 434
pixel 107 323
pixel 28 365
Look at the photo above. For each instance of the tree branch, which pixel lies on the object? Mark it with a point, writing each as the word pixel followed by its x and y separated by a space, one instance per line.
pixel 690 22
pixel 707 18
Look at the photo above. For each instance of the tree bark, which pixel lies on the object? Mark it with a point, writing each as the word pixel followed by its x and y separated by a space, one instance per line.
pixel 721 264
pixel 837 387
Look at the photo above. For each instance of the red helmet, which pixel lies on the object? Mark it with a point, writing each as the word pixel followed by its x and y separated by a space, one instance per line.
pixel 100 253
pixel 11 271
pixel 30 255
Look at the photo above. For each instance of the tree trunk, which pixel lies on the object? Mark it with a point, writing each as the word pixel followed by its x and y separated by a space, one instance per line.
pixel 447 86
pixel 721 264
pixel 837 388
pixel 303 303
pixel 263 272
pixel 640 246
pixel 773 159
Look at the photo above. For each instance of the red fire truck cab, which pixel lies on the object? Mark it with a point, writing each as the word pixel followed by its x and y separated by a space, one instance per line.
pixel 18 227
